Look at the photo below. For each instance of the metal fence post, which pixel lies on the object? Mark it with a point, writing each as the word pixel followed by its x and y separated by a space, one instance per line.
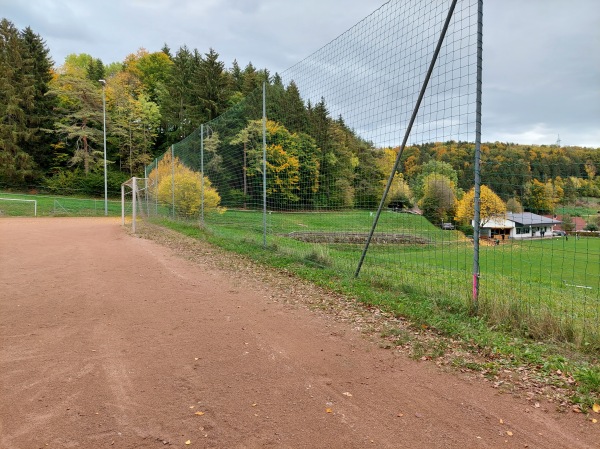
pixel 122 204
pixel 134 203
pixel 202 174
pixel 156 187
pixel 477 161
pixel 264 163
pixel 173 180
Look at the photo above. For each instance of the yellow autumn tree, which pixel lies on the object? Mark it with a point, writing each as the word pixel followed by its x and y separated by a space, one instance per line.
pixel 490 205
pixel 400 192
pixel 188 188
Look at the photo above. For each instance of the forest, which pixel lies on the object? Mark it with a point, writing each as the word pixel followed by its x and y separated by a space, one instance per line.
pixel 51 137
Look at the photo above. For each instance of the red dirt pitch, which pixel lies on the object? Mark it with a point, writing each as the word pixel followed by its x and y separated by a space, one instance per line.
pixel 113 341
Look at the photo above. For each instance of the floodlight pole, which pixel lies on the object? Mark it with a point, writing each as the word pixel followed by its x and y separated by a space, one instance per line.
pixel 105 176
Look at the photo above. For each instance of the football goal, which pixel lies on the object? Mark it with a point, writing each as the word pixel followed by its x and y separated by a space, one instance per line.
pixel 137 189
pixel 17 206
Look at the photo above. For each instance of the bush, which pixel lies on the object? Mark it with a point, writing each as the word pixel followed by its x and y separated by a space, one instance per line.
pixel 188 194
pixel 76 182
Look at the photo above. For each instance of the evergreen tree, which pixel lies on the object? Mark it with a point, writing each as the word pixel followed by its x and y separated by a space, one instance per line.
pixel 80 119
pixel 296 116
pixel 211 86
pixel 252 79
pixel 237 77
pixel 17 93
pixel 95 70
pixel 166 50
pixel 40 116
pixel 177 99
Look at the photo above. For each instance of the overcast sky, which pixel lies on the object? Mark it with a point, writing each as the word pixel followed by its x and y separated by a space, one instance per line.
pixel 541 57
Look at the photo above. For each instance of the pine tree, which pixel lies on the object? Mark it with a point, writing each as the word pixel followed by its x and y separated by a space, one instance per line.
pixel 17 92
pixel 237 77
pixel 211 85
pixel 96 70
pixel 40 116
pixel 296 116
pixel 176 100
pixel 80 118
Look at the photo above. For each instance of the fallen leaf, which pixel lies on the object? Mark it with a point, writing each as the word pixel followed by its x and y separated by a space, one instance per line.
pixel 254 405
pixel 199 413
pixel 347 394
pixel 576 409
pixel 328 410
pixel 509 433
pixel 195 358
pixel 192 406
pixel 594 420
pixel 188 442
pixel 596 408
pixel 501 421
pixel 537 405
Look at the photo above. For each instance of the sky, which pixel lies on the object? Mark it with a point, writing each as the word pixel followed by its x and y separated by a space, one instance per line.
pixel 541 63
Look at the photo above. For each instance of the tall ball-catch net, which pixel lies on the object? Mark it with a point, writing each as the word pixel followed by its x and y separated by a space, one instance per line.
pixel 301 168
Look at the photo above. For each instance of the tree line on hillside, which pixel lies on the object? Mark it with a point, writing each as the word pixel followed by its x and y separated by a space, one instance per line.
pixel 51 135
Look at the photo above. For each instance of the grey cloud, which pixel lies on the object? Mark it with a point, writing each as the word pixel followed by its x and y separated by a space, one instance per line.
pixel 541 70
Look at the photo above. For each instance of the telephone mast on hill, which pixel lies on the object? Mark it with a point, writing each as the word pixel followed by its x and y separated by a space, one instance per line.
pixel 558 141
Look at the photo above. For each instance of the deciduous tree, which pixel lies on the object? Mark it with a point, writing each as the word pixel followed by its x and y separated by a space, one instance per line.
pixel 490 206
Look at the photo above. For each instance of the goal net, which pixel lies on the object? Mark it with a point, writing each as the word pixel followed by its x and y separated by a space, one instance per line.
pixel 134 198
pixel 18 207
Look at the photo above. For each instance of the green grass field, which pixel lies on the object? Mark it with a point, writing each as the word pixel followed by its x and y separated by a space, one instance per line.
pixel 57 206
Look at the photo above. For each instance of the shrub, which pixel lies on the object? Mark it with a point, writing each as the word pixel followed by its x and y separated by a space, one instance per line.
pixel 188 191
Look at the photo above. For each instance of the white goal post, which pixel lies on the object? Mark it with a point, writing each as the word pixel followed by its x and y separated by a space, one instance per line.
pixel 24 201
pixel 136 185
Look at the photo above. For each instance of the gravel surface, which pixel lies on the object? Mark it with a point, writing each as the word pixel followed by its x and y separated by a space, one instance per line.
pixel 112 340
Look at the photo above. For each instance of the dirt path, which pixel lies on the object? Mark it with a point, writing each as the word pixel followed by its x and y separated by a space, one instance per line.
pixel 109 340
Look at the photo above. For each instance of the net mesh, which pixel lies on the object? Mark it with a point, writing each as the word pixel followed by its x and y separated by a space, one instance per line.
pixel 334 124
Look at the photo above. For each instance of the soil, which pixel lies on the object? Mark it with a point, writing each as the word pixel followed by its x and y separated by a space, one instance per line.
pixel 110 340
pixel 358 238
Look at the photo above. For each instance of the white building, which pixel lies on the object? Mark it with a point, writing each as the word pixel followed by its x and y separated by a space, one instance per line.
pixel 518 226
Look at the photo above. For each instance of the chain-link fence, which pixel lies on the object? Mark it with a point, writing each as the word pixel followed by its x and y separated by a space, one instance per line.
pixel 391 106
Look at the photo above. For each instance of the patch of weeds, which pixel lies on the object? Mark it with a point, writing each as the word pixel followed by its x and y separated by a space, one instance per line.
pixel 438 348
pixel 554 364
pixel 588 389
pixel 408 289
pixel 398 336
pixel 382 284
pixel 417 351
pixel 319 256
